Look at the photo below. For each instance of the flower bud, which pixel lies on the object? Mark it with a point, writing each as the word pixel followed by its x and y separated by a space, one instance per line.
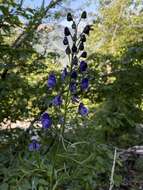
pixel 83 38
pixel 73 25
pixel 68 50
pixel 69 17
pixel 65 41
pixel 87 29
pixel 84 54
pixel 84 15
pixel 81 46
pixel 74 48
pixel 66 31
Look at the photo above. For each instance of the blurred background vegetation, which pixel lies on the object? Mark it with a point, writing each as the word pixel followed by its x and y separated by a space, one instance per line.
pixel 31 35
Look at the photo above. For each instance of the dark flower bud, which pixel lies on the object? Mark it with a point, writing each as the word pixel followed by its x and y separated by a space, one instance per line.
pixel 74 48
pixel 81 46
pixel 83 38
pixel 84 84
pixel 66 31
pixel 83 66
pixel 84 54
pixel 74 37
pixel 65 41
pixel 87 29
pixel 73 87
pixel 73 25
pixel 82 110
pixel 68 50
pixel 84 15
pixel 75 60
pixel 69 17
pixel 74 75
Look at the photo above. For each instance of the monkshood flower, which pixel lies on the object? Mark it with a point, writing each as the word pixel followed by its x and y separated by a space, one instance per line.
pixel 81 46
pixel 57 101
pixel 84 83
pixel 69 17
pixel 64 74
pixel 84 54
pixel 74 75
pixel 84 15
pixel 83 38
pixel 87 29
pixel 73 87
pixel 68 50
pixel 51 81
pixel 34 145
pixel 82 110
pixel 83 66
pixel 65 41
pixel 66 31
pixel 74 48
pixel 46 121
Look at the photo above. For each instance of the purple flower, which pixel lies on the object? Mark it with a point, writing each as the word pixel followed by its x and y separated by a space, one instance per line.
pixel 64 74
pixel 74 75
pixel 51 81
pixel 84 15
pixel 65 41
pixel 69 17
pixel 84 84
pixel 74 48
pixel 83 66
pixel 83 38
pixel 57 101
pixel 84 54
pixel 66 31
pixel 46 121
pixel 81 46
pixel 34 146
pixel 82 110
pixel 73 87
pixel 87 29
pixel 68 50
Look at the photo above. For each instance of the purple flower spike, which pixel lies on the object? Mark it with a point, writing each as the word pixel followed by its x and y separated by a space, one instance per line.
pixel 84 83
pixel 57 101
pixel 64 74
pixel 51 81
pixel 82 110
pixel 46 121
pixel 34 146
pixel 83 66
pixel 73 87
